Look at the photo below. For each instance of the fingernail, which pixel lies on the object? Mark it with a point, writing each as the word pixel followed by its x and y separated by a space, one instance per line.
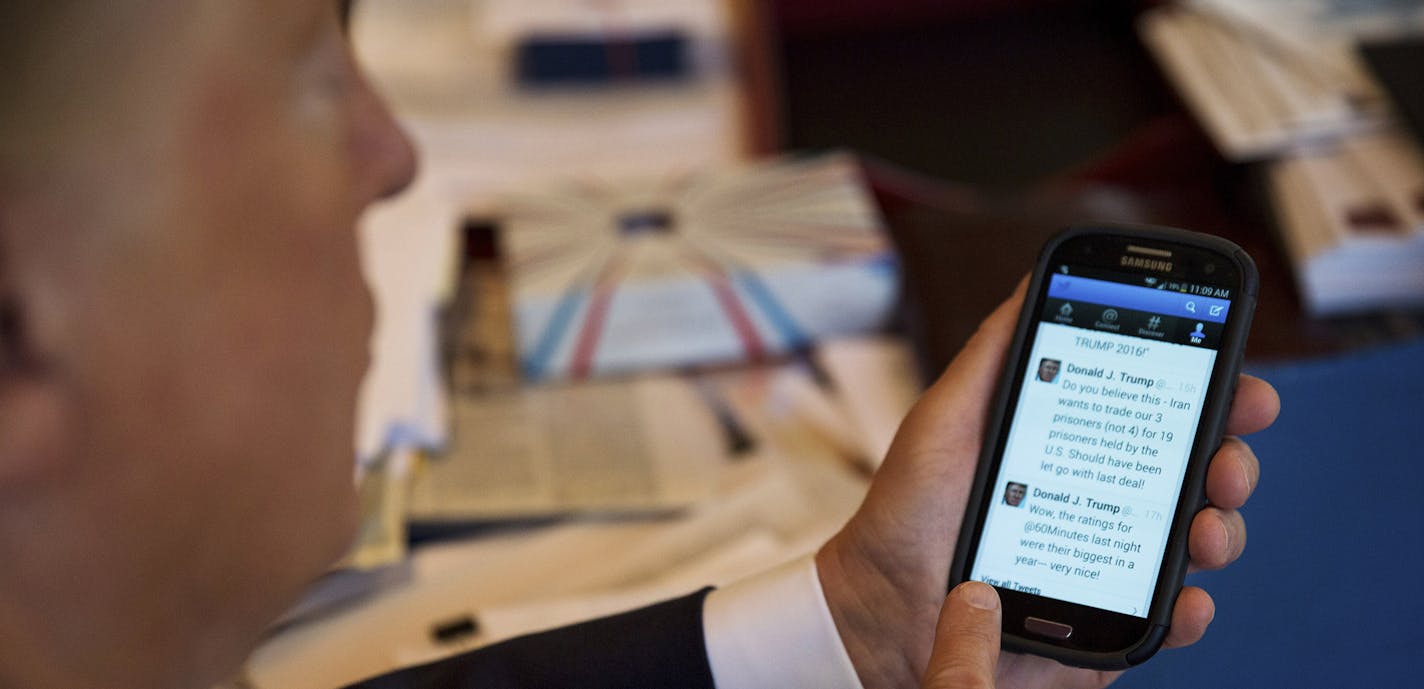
pixel 979 595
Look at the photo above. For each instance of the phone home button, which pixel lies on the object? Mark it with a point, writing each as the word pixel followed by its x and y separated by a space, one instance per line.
pixel 1057 630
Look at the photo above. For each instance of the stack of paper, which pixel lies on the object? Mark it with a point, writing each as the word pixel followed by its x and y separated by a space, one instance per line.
pixel 1256 97
pixel 1320 36
pixel 1352 220
pixel 1283 80
pixel 784 501
pixel 724 265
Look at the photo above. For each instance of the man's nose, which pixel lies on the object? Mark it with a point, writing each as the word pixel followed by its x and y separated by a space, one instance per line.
pixel 382 148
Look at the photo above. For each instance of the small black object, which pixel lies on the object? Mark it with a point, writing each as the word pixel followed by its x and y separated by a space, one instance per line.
pixel 453 631
pixel 566 60
pixel 648 221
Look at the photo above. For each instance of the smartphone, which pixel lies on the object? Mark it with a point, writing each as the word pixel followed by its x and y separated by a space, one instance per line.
pixel 1113 399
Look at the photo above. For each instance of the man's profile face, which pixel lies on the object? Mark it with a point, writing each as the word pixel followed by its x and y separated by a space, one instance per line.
pixel 212 325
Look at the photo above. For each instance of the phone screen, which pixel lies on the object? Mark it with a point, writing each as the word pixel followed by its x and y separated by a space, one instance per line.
pixel 1099 438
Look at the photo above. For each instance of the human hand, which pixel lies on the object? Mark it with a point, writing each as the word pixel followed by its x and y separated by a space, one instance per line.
pixel 884 574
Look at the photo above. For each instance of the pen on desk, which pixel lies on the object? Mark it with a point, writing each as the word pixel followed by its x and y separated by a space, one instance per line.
pixel 740 442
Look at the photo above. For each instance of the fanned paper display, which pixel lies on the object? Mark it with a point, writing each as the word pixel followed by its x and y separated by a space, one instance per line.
pixel 717 266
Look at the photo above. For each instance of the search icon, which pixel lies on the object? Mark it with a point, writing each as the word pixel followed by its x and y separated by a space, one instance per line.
pixel 1191 306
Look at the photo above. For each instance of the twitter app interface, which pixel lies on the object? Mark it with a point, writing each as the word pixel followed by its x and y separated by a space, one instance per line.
pixel 1100 437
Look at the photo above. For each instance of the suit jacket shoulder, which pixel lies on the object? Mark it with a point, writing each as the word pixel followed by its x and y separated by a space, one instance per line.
pixel 660 646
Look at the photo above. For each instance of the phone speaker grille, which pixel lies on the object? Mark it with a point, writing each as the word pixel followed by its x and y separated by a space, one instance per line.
pixel 1148 251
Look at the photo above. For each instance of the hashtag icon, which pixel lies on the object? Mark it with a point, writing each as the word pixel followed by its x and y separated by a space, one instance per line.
pixel 1153 322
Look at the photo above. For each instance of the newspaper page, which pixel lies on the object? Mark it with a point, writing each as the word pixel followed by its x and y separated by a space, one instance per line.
pixel 522 451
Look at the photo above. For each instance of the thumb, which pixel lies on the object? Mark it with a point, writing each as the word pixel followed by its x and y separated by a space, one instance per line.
pixel 966 645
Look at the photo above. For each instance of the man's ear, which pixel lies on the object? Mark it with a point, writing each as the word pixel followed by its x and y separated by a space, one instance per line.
pixel 32 430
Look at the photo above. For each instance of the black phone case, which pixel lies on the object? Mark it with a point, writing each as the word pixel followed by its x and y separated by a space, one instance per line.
pixel 1216 406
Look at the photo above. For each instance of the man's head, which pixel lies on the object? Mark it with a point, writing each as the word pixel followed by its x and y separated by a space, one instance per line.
pixel 1048 370
pixel 1014 493
pixel 183 326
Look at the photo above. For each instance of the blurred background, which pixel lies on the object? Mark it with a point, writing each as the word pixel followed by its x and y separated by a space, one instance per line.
pixel 673 271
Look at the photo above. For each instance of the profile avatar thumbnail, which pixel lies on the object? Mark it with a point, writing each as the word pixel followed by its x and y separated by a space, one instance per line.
pixel 1048 369
pixel 1014 493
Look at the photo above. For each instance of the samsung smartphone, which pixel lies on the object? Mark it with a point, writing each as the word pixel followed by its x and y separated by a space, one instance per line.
pixel 1113 400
